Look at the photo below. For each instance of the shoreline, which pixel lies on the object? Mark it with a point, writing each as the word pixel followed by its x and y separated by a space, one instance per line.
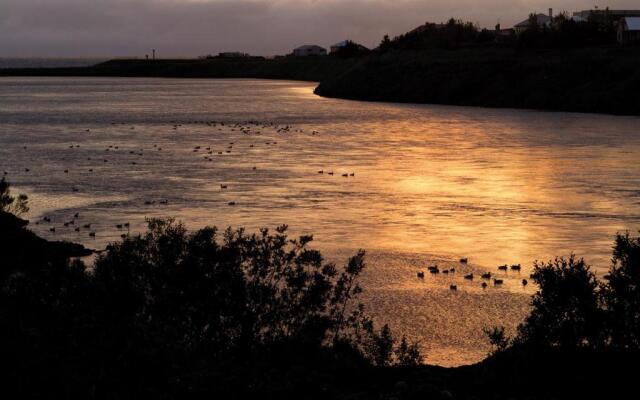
pixel 591 81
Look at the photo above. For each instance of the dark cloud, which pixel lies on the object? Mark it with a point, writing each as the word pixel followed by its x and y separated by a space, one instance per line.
pixel 194 27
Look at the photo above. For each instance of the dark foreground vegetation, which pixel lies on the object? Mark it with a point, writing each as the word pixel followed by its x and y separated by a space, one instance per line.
pixel 171 314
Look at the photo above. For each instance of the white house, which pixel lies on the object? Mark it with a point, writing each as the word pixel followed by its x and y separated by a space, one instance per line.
pixel 629 30
pixel 309 50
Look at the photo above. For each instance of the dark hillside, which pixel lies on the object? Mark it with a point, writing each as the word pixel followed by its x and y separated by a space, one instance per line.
pixel 599 80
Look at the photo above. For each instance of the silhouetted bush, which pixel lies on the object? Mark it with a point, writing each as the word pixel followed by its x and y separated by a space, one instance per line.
pixel 168 312
pixel 351 49
pixel 497 338
pixel 622 293
pixel 452 34
pixel 572 309
pixel 566 308
pixel 10 204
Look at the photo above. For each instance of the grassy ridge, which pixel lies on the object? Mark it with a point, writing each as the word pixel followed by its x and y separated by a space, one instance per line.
pixel 602 80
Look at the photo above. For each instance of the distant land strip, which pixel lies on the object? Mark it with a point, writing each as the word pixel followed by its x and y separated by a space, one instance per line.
pixel 590 80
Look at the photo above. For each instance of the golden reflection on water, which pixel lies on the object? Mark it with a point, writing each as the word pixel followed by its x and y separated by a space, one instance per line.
pixel 432 184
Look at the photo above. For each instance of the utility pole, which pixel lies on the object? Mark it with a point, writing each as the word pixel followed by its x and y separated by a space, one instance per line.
pixel 154 54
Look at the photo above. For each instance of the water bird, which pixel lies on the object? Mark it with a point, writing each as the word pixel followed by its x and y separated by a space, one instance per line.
pixel 421 275
pixel 76 215
pixel 119 226
pixel 52 229
pixel 77 229
pixel 525 282
pixel 126 224
pixel 497 281
pixel 453 287
pixel 503 267
pixel 86 226
pixel 26 170
pixel 232 203
pixel 223 186
pixel 484 285
pixel 486 275
pixel 345 175
pixel 452 270
pixel 464 260
pixel 124 235
pixel 331 173
pixel 321 172
pixel 92 234
pixel 469 277
pixel 515 267
pixel 352 174
pixel 434 270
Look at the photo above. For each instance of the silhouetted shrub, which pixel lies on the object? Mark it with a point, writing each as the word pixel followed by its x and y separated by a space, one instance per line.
pixel 351 49
pixel 498 339
pixel 622 293
pixel 14 205
pixel 169 311
pixel 573 309
pixel 566 308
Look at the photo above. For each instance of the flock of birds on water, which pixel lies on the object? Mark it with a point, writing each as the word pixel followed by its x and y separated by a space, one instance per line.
pixel 485 276
pixel 252 127
pixel 247 128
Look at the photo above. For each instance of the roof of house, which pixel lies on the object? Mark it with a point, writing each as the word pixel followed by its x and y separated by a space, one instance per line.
pixel 632 23
pixel 542 19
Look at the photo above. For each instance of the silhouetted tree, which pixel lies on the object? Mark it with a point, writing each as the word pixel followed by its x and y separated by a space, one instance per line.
pixel 622 293
pixel 566 308
pixel 8 203
pixel 498 339
pixel 168 310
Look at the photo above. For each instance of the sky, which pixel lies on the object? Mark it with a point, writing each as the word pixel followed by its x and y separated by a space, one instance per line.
pixel 188 28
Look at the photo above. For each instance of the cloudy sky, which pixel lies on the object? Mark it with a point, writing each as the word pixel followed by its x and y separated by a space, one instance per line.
pixel 77 28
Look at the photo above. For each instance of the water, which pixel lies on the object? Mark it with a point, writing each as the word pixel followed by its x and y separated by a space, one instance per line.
pixel 432 184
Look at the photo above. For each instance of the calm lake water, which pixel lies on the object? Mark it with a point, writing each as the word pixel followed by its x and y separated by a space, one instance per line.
pixel 431 184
